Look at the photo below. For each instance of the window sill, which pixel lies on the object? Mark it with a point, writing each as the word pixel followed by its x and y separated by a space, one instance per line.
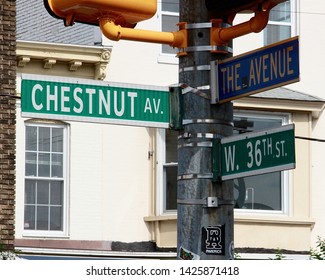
pixel 43 234
pixel 166 217
pixel 244 219
pixel 280 220
pixel 168 59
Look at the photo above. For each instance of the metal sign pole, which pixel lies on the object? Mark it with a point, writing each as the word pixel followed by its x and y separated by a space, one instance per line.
pixel 205 208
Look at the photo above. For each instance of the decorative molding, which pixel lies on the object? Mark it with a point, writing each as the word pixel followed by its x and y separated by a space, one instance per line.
pixel 22 61
pixel 100 71
pixel 74 65
pixel 100 68
pixel 48 63
pixel 81 61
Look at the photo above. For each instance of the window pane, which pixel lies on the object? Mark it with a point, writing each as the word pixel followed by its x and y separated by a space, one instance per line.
pixel 56 218
pixel 276 33
pixel 247 124
pixel 56 193
pixel 42 192
pixel 170 5
pixel 171 146
pixel 169 23
pixel 261 192
pixel 42 218
pixel 44 139
pixel 171 187
pixel 31 138
pixel 30 166
pixel 57 165
pixel 30 191
pixel 280 24
pixel 29 219
pixel 57 140
pixel 170 171
pixel 44 165
pixel 281 12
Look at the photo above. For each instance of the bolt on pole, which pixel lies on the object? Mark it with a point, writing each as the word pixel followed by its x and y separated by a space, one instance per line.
pixel 205 228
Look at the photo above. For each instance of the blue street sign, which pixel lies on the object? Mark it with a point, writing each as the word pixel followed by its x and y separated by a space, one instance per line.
pixel 259 70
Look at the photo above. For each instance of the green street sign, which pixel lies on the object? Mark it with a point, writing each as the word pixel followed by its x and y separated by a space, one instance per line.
pixel 94 101
pixel 255 153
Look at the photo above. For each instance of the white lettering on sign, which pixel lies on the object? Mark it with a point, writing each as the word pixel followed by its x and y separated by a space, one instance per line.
pixel 120 112
pixel 82 100
pixel 256 152
pixel 152 103
pixel 90 92
pixel 132 95
pixel 78 100
pixel 279 146
pixel 75 99
pixel 230 158
pixel 52 98
pixel 98 102
pixel 35 89
pixel 65 99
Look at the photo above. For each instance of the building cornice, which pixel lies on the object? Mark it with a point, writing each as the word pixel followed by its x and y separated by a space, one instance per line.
pixel 260 103
pixel 37 56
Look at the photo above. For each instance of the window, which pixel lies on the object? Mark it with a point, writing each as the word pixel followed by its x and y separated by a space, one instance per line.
pixel 45 178
pixel 167 171
pixel 170 170
pixel 281 24
pixel 169 21
pixel 267 192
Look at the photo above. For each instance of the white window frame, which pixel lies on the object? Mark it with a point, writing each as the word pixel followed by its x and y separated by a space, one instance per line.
pixel 286 179
pixel 293 20
pixel 285 175
pixel 166 58
pixel 161 176
pixel 65 176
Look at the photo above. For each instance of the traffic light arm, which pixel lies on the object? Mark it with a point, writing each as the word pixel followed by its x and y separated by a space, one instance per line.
pixel 221 36
pixel 115 32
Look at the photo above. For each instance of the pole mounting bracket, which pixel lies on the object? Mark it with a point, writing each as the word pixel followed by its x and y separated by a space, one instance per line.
pixel 209 202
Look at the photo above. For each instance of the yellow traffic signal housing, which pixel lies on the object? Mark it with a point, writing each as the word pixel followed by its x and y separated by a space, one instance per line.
pixel 117 18
pixel 126 13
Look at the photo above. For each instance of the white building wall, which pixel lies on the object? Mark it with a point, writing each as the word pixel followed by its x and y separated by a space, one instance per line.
pixel 110 178
pixel 129 179
pixel 136 62
pixel 312 58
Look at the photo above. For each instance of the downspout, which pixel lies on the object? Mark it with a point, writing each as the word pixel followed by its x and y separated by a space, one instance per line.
pixel 116 32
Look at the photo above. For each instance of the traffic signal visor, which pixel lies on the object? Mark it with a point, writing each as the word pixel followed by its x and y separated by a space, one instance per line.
pixel 126 13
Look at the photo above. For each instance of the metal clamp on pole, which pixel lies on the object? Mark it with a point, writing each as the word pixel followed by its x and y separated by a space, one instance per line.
pixel 217 202
pixel 209 202
pixel 196 91
pixel 214 81
pixel 195 176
